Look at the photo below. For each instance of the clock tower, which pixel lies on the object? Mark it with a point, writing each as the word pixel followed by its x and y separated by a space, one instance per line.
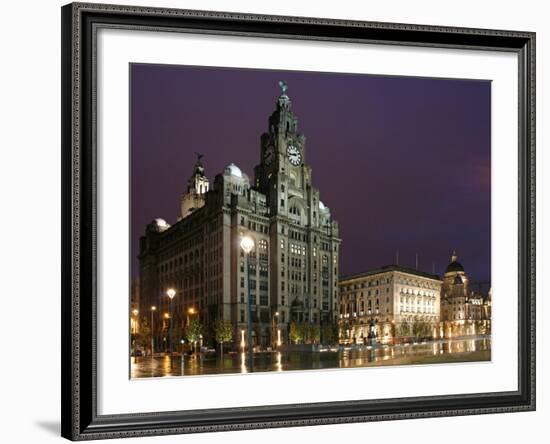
pixel 303 236
pixel 282 173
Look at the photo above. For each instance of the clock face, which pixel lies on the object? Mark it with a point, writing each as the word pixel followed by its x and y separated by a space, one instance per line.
pixel 294 155
pixel 269 155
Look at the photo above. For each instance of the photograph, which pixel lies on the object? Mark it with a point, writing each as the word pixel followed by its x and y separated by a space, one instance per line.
pixel 295 220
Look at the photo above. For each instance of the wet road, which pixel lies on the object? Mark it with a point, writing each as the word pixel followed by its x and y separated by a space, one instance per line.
pixel 446 351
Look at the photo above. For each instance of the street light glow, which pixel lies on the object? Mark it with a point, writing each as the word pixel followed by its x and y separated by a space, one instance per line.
pixel 247 244
pixel 191 310
pixel 153 308
pixel 171 293
pixel 135 312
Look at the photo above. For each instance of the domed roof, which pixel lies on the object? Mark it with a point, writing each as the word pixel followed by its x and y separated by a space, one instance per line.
pixel 161 224
pixel 234 170
pixel 323 208
pixel 454 266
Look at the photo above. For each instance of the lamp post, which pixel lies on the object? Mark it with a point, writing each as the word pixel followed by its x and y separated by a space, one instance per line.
pixel 135 312
pixel 275 330
pixel 191 311
pixel 247 244
pixel 153 309
pixel 134 331
pixel 171 293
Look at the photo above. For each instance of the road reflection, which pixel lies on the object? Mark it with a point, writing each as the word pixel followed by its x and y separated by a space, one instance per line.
pixel 445 351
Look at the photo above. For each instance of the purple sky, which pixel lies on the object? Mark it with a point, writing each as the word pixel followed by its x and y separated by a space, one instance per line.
pixel 403 163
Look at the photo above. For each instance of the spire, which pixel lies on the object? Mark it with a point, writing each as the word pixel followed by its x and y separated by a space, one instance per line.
pixel 284 101
pixel 197 187
pixel 198 182
pixel 283 119
pixel 454 256
pixel 199 168
pixel 284 86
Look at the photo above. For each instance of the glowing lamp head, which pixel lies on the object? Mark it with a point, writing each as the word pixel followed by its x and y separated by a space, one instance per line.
pixel 171 293
pixel 191 310
pixel 247 244
pixel 135 312
pixel 153 308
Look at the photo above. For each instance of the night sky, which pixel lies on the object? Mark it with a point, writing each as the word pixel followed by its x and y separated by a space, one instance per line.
pixel 403 163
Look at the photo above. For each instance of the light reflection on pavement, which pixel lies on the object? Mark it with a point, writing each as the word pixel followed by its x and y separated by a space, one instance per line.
pixel 436 352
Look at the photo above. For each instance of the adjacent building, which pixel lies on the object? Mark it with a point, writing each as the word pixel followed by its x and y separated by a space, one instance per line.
pixel 463 311
pixel 380 304
pixel 393 301
pixel 293 267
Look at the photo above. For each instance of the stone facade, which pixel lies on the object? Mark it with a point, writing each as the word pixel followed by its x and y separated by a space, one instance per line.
pixel 378 305
pixel 293 266
pixel 463 312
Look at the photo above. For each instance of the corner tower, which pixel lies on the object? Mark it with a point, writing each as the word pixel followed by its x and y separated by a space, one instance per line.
pixel 282 171
pixel 304 242
pixel 197 187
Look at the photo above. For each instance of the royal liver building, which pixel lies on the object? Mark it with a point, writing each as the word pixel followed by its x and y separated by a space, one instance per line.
pixel 293 266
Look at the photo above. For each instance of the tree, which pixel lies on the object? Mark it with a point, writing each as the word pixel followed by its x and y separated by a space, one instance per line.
pixel 404 329
pixel 330 333
pixel 223 332
pixel 305 332
pixel 421 329
pixel 417 328
pixel 143 337
pixel 193 331
pixel 296 333
pixel 312 333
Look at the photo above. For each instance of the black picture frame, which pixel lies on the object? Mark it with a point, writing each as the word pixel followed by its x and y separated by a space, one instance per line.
pixel 80 420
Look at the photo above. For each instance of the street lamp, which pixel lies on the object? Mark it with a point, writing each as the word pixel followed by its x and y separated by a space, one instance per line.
pixel 135 312
pixel 247 244
pixel 274 328
pixel 153 309
pixel 190 311
pixel 171 293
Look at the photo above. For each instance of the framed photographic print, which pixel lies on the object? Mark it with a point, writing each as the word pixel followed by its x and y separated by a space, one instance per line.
pixel 278 221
